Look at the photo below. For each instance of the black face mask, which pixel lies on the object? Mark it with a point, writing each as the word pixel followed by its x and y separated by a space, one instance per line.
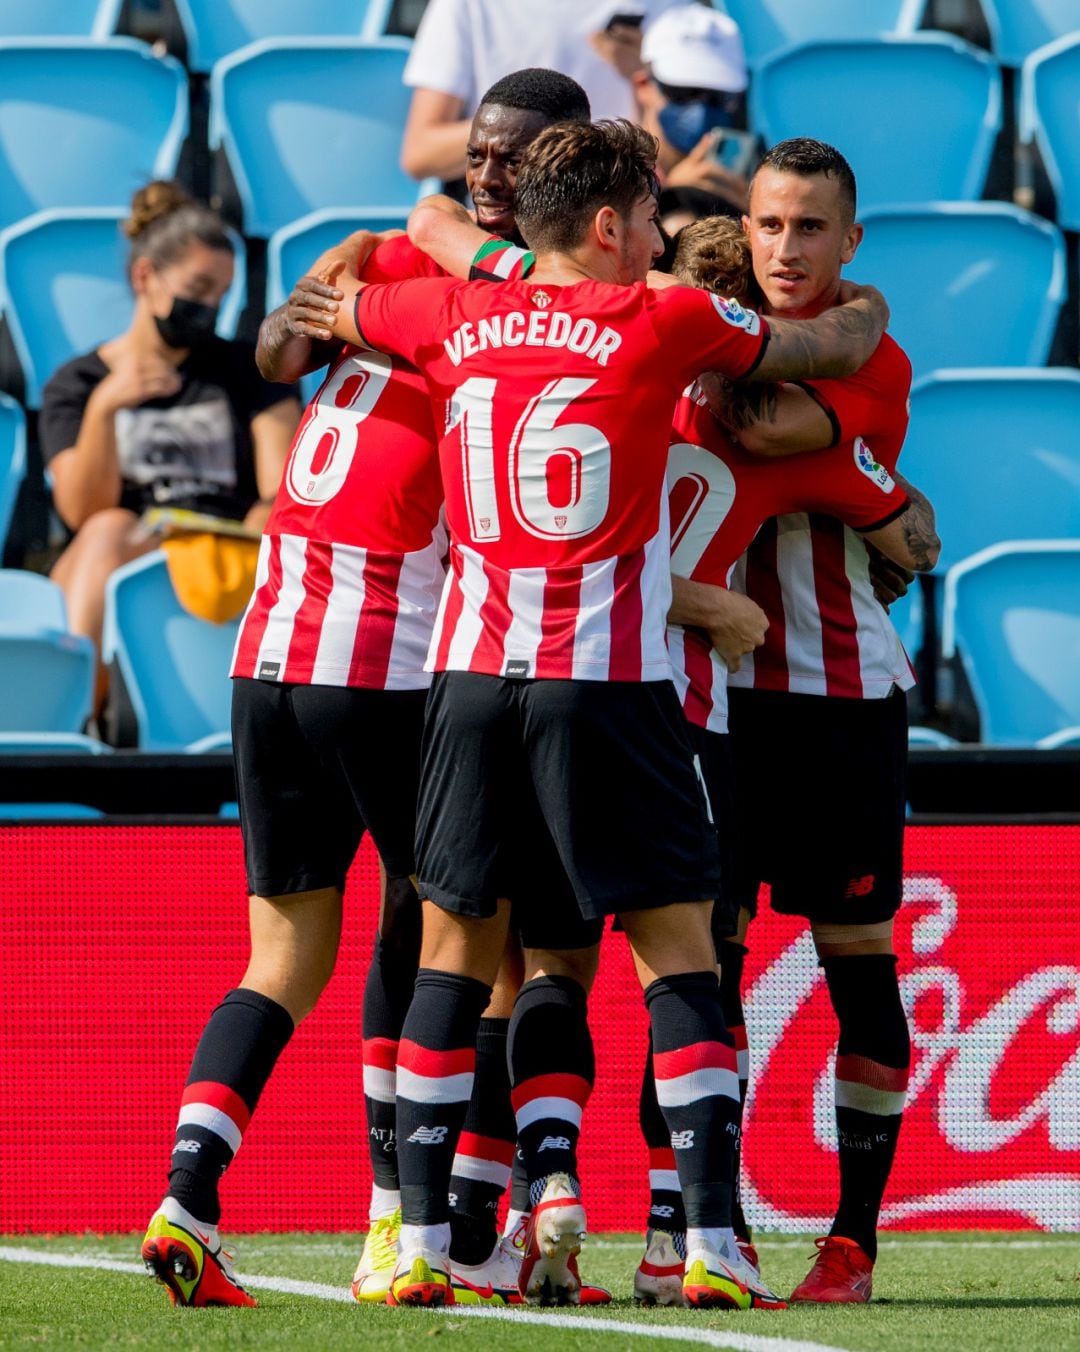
pixel 188 323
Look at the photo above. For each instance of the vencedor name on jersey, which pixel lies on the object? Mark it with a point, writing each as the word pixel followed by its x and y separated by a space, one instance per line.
pixel 540 328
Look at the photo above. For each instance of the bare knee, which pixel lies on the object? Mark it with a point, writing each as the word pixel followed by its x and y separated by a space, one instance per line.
pixel 577 964
pixel 671 940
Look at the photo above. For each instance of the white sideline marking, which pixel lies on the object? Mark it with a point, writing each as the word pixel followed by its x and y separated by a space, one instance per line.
pixel 738 1342
pixel 1063 1241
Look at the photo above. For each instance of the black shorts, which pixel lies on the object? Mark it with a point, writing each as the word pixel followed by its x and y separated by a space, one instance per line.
pixel 820 803
pixel 715 758
pixel 608 764
pixel 316 766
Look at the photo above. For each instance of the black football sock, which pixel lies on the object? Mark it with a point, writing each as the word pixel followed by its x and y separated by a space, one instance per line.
pixel 485 1150
pixel 732 957
pixel 665 1196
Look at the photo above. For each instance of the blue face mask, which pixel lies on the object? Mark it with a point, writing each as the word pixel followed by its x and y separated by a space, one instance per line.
pixel 684 124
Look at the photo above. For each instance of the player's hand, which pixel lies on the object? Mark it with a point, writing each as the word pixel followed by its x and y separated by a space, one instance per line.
pixel 737 627
pixel 889 580
pixel 312 307
pixel 699 170
pixel 136 379
pixel 850 291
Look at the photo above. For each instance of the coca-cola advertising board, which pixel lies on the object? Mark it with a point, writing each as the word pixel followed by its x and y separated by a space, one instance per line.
pixel 117 941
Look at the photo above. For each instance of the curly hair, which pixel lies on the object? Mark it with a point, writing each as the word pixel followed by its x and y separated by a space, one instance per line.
pixel 714 253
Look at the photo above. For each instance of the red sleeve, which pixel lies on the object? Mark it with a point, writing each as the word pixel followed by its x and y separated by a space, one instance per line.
pixel 702 332
pixel 405 318
pixel 397 260
pixel 871 403
pixel 846 482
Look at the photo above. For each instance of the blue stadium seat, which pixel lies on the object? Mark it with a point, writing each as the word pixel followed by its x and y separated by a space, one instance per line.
pixel 997 451
pixel 1050 116
pixel 920 736
pixel 217 28
pixel 175 666
pixel 58 18
pixel 84 123
pixel 969 284
pixel 916 116
pixel 312 123
pixel 1017 27
pixel 12 459
pixel 1012 613
pixel 64 288
pixel 767 26
pixel 46 672
pixel 51 744
pixel 30 601
pixel 49 811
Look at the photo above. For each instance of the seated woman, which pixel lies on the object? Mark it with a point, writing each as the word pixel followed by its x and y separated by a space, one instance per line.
pixel 165 414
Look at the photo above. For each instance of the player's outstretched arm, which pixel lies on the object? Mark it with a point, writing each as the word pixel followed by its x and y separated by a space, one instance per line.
pixel 912 539
pixel 447 233
pixel 835 343
pixel 771 420
pixel 735 624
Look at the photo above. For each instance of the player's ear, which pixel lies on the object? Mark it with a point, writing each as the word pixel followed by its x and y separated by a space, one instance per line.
pixel 852 239
pixel 607 228
pixel 141 271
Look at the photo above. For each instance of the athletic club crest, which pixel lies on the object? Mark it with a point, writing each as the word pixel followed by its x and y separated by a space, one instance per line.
pixel 541 298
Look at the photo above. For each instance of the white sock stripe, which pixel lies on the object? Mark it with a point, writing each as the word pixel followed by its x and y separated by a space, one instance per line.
pixel 664 1180
pixel 537 1109
pixel 864 1098
pixel 213 1119
pixel 711 1082
pixel 379 1084
pixel 481 1171
pixel 434 1088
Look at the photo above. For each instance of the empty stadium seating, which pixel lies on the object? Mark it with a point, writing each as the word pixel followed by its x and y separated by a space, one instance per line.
pixel 1012 614
pixel 46 672
pixel 175 667
pixel 1050 116
pixel 84 123
pixel 969 284
pixel 217 28
pixel 12 459
pixel 1017 27
pixel 916 116
pixel 310 124
pixel 997 451
pixel 767 26
pixel 64 288
pixel 58 18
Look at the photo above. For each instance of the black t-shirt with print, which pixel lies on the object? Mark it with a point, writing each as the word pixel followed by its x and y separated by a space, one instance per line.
pixel 191 450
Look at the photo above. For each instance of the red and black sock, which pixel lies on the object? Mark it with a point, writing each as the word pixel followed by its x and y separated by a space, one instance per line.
pixel 552 1069
pixel 236 1054
pixel 485 1150
pixel 436 1065
pixel 697 1088
pixel 732 957
pixel 872 1063
pixel 665 1196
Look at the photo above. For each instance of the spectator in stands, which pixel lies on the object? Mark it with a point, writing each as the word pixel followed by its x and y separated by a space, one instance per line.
pixel 691 95
pixel 464 46
pixel 165 414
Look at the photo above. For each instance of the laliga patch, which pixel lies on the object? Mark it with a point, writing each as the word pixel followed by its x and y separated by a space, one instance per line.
pixel 870 467
pixel 731 312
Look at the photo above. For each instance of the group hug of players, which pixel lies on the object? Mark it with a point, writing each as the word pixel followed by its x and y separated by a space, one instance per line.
pixel 492 625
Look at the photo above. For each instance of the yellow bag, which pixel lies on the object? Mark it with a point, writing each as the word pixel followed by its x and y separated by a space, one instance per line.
pixel 213 575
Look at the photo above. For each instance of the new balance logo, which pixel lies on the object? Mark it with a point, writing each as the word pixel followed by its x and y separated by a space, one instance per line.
pixel 554 1143
pixel 429 1135
pixel 664 1213
pixel 861 887
pixel 682 1140
pixel 189 1147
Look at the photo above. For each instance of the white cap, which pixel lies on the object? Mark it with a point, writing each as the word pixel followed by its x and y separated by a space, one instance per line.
pixel 696 48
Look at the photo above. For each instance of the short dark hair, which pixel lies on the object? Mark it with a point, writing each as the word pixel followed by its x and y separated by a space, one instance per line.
pixel 536 90
pixel 805 157
pixel 573 169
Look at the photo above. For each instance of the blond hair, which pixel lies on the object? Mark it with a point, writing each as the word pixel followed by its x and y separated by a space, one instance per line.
pixel 714 253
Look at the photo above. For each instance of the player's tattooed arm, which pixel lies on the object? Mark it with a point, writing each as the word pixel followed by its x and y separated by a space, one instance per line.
pixel 735 624
pixel 912 539
pixel 769 420
pixel 835 343
pixel 447 233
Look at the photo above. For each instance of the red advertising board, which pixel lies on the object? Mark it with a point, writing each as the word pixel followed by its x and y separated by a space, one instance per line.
pixel 117 941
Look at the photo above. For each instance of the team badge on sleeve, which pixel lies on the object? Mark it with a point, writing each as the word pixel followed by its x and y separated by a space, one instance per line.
pixel 731 312
pixel 870 467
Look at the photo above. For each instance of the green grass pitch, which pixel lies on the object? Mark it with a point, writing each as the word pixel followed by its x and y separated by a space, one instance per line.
pixel 961 1292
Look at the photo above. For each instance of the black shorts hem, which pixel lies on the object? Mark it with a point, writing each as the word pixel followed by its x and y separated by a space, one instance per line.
pixel 290 887
pixel 599 908
pixel 456 904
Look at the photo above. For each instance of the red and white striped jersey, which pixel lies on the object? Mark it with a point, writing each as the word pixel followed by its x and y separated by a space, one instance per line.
pixel 559 402
pixel 720 495
pixel 352 561
pixel 827 634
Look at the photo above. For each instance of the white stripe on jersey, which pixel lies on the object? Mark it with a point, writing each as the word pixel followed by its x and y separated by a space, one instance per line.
pixel 419 590
pixel 469 627
pixel 882 660
pixel 592 640
pixel 802 628
pixel 262 573
pixel 279 625
pixel 337 634
pixel 656 600
pixel 525 600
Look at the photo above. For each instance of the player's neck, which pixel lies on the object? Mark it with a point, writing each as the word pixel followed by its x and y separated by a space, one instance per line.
pixel 584 265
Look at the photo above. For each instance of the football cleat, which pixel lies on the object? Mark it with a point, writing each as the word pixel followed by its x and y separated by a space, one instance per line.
pixel 186 1257
pixel 710 1282
pixel 750 1254
pixel 493 1282
pixel 842 1275
pixel 587 1295
pixel 659 1276
pixel 371 1280
pixel 556 1230
pixel 421 1277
